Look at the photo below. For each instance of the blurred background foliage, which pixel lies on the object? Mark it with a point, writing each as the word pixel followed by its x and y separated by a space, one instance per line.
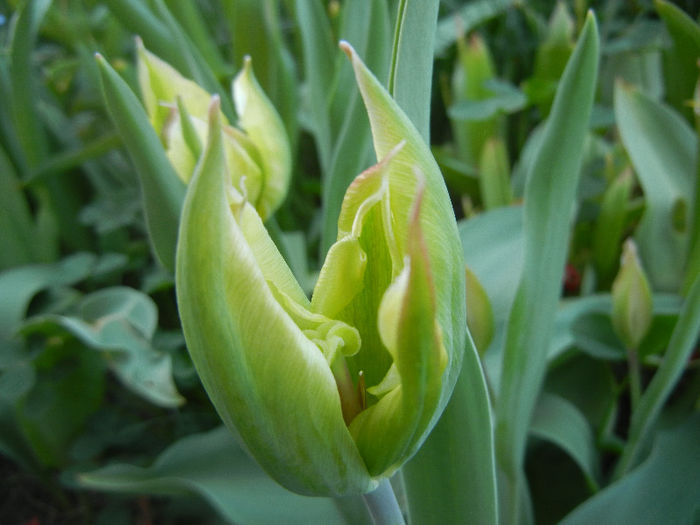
pixel 102 417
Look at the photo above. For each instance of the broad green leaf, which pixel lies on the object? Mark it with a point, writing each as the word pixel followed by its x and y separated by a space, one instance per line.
pixel 162 190
pixel 493 248
pixel 663 489
pixel 19 285
pixel 411 75
pixel 13 444
pixel 120 322
pixel 559 421
pixel 212 466
pixel 319 57
pixel 549 199
pixel 16 381
pixel 68 389
pixel 662 148
pixel 452 478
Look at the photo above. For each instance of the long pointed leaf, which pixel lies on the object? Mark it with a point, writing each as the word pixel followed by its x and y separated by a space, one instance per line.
pixel 411 77
pixel 163 192
pixel 549 199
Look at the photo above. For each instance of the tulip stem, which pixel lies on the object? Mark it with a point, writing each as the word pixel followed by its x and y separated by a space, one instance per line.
pixel 382 505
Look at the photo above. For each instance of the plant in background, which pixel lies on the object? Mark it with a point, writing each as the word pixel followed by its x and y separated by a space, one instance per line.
pixel 372 383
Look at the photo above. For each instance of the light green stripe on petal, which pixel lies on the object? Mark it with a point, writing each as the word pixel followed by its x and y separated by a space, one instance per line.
pixel 265 377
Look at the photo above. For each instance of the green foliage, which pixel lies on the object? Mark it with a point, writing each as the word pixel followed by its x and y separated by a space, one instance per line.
pixel 559 132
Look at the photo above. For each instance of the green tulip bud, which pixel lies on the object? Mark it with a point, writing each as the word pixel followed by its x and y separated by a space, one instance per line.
pixel 332 394
pixel 257 155
pixel 472 72
pixel 479 313
pixel 632 300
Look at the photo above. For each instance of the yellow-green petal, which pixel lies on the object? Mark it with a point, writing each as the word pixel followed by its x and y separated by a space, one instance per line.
pixel 267 380
pixel 263 125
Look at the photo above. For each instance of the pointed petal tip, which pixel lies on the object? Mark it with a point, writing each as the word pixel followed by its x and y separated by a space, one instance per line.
pixel 214 106
pixel 347 48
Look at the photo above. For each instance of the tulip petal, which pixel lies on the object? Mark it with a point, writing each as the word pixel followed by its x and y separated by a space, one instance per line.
pixel 267 380
pixel 440 336
pixel 160 82
pixel 259 119
pixel 392 429
pixel 391 126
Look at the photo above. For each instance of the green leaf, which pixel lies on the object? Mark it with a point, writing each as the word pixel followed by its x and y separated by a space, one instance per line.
pixel 163 192
pixel 120 322
pixel 411 75
pixel 663 489
pixel 18 235
pixel 549 198
pixel 68 389
pixel 27 123
pixel 506 99
pixel 19 285
pixel 213 467
pixel 466 19
pixel 351 150
pixel 680 60
pixel 559 421
pixel 193 24
pixel 662 148
pixel 493 246
pixel 319 57
pixel 452 478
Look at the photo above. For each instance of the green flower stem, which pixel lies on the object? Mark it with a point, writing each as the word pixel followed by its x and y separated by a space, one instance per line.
pixel 679 349
pixel 635 375
pixel 382 505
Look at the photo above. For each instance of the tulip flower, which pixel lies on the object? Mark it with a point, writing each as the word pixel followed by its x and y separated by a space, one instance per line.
pixel 257 155
pixel 332 394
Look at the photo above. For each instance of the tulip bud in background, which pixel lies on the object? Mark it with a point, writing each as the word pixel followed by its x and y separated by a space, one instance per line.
pixel 610 224
pixel 632 300
pixel 469 83
pixel 333 394
pixel 494 174
pixel 479 313
pixel 257 155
